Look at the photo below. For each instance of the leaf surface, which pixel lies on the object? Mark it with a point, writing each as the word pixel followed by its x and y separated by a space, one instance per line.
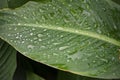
pixel 69 76
pixel 3 4
pixel 7 61
pixel 77 36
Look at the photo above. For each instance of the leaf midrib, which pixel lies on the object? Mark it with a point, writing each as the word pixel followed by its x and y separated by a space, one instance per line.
pixel 74 31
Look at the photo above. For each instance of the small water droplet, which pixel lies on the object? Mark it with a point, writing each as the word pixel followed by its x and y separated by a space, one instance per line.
pixel 94 61
pixel 63 47
pixel 31 34
pixel 30 47
pixel 39 39
pixel 14 13
pixel 45 30
pixel 25 17
pixel 39 35
pixel 105 60
pixel 55 54
pixel 20 35
pixel 33 29
pixel 115 27
pixel 99 31
pixel 42 46
pixel 68 60
pixel 17 37
pixel 56 43
pixel 9 35
pixel 104 9
pixel 19 24
pixel 23 41
pixel 113 58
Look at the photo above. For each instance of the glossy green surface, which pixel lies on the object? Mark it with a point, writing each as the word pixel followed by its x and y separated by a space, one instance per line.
pixel 78 36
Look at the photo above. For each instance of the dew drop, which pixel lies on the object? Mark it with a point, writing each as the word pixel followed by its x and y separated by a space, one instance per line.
pixel 68 60
pixel 45 30
pixel 25 17
pixel 56 43
pixel 105 60
pixel 17 37
pixel 63 47
pixel 30 47
pixel 31 34
pixel 99 31
pixel 94 61
pixel 39 39
pixel 23 41
pixel 19 24
pixel 104 9
pixel 20 35
pixel 15 29
pixel 33 29
pixel 9 35
pixel 39 35
pixel 14 13
pixel 55 54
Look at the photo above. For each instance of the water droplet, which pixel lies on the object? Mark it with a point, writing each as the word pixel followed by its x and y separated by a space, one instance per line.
pixel 23 41
pixel 94 61
pixel 9 35
pixel 99 31
pixel 45 30
pixel 17 37
pixel 20 35
pixel 56 43
pixel 14 13
pixel 25 17
pixel 30 47
pixel 35 38
pixel 15 29
pixel 19 24
pixel 68 60
pixel 63 47
pixel 104 9
pixel 33 29
pixel 113 58
pixel 55 54
pixel 42 46
pixel 39 35
pixel 41 10
pixel 66 21
pixel 31 34
pixel 39 39
pixel 115 27
pixel 105 60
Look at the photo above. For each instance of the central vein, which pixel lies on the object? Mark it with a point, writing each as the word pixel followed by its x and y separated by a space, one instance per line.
pixel 75 31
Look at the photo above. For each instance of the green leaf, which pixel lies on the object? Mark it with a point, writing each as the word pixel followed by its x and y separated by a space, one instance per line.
pixel 33 76
pixel 69 76
pixel 3 4
pixel 76 36
pixel 24 70
pixel 7 61
pixel 12 3
pixel 16 3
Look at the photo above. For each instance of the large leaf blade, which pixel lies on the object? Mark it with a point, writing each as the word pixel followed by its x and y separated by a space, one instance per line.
pixel 7 61
pixel 67 35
